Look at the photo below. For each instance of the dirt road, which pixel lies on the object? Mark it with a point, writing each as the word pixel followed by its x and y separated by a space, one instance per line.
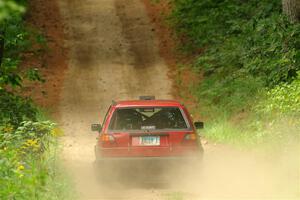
pixel 113 55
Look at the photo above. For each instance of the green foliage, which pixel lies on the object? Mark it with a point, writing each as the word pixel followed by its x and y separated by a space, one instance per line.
pixel 16 40
pixel 250 57
pixel 282 99
pixel 222 131
pixel 247 45
pixel 21 159
pixel 255 132
pixel 11 8
pixel 34 75
pixel 15 109
pixel 16 37
pixel 274 120
pixel 28 168
pixel 227 94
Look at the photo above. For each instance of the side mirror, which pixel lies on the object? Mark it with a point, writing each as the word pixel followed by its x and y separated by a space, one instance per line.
pixel 96 127
pixel 199 125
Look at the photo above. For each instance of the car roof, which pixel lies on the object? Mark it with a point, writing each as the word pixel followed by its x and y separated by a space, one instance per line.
pixel 146 103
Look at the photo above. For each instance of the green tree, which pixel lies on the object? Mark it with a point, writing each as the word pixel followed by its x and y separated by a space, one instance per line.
pixel 8 10
pixel 10 33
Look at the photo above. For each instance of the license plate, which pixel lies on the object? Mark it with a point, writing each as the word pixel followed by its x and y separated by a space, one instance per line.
pixel 150 140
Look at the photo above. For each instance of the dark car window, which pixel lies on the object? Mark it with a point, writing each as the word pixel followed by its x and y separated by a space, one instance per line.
pixel 148 118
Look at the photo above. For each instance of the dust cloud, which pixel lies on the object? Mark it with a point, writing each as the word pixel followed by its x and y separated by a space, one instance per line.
pixel 232 174
pixel 223 174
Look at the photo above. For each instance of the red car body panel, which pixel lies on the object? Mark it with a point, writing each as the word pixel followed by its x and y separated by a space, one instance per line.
pixel 126 145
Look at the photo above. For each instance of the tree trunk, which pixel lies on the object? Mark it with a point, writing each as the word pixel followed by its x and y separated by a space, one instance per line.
pixel 291 9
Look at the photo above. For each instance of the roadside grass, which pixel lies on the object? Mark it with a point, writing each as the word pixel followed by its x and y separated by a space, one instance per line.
pixel 58 184
pixel 254 132
pixel 29 163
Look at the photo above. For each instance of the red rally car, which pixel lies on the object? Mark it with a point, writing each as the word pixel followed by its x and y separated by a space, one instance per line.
pixel 147 130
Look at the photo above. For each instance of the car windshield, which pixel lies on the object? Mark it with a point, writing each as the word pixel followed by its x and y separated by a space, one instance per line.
pixel 148 118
